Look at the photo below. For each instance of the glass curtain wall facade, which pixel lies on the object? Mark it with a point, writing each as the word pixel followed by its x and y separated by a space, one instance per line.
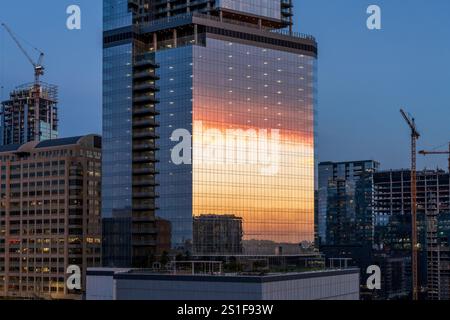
pixel 251 114
pixel 129 226
pixel 116 14
pixel 357 177
pixel 264 8
pixel 117 153
pixel 245 96
pixel 175 181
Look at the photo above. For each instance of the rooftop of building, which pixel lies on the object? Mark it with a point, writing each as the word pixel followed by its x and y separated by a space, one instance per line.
pixel 408 171
pixel 174 21
pixel 324 163
pixel 143 274
pixel 92 140
pixel 24 91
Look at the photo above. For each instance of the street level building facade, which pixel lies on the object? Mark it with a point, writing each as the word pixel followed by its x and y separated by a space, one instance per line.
pixel 235 83
pixel 49 215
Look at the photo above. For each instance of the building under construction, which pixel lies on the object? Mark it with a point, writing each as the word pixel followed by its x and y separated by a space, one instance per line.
pixel 30 114
pixel 392 210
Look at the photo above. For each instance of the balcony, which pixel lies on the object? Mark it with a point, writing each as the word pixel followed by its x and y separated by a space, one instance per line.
pixel 145 87
pixel 144 171
pixel 146 75
pixel 145 146
pixel 145 134
pixel 145 123
pixel 145 63
pixel 144 159
pixel 147 182
pixel 145 195
pixel 145 99
pixel 145 110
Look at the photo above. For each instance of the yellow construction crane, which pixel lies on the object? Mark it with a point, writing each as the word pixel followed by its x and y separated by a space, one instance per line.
pixel 425 153
pixel 415 135
pixel 38 66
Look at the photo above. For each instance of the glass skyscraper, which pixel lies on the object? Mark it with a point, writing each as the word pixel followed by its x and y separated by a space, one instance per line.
pixel 239 94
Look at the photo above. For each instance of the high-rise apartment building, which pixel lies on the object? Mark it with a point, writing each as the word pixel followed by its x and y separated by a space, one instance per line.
pixel 30 114
pixel 345 212
pixel 345 200
pixel 49 215
pixel 231 79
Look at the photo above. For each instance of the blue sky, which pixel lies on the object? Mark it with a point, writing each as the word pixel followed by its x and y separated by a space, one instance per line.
pixel 364 76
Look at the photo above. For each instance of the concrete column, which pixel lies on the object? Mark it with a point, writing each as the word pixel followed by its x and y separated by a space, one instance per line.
pixel 155 42
pixel 196 33
pixel 174 38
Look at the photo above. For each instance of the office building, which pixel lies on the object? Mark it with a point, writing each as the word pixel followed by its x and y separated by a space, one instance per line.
pixel 49 215
pixel 110 284
pixel 345 211
pixel 233 77
pixel 345 221
pixel 345 199
pixel 30 114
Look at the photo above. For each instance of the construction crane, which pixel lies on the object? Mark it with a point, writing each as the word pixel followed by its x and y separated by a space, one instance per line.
pixel 425 153
pixel 38 66
pixel 415 135
pixel 38 72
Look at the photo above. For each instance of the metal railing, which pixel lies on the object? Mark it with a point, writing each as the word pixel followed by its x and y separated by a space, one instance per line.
pixel 187 16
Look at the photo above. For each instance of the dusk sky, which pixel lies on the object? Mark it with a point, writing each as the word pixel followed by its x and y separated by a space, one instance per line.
pixel 364 76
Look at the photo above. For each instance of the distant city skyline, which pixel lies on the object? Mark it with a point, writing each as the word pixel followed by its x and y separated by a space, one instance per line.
pixel 364 76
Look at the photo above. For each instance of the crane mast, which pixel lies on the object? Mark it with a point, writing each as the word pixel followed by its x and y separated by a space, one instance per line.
pixel 415 135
